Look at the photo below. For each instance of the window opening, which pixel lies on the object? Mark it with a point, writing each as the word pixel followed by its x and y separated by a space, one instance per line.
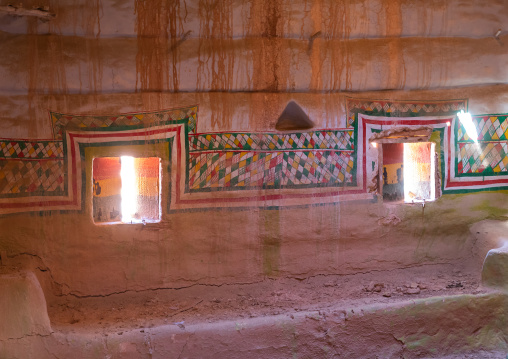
pixel 126 189
pixel 419 172
pixel 408 172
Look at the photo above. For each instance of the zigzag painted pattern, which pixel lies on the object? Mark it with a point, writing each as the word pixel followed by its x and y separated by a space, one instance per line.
pixel 403 108
pixel 84 122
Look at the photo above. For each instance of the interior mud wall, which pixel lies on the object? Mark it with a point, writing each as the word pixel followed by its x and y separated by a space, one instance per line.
pixel 240 64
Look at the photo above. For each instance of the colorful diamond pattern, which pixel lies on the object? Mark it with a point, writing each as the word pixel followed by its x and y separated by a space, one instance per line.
pixel 71 122
pixel 329 139
pixel 486 158
pixel 268 169
pixel 489 128
pixel 37 177
pixel 16 149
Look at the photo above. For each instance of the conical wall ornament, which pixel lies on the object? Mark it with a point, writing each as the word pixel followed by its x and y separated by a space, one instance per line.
pixel 293 118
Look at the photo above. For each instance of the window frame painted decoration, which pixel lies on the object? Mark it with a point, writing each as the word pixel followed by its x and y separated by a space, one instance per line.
pixel 266 169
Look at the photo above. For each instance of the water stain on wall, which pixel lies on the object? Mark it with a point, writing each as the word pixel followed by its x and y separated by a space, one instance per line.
pixel 91 25
pixel 49 61
pixel 216 60
pixel 270 236
pixel 336 25
pixel 159 26
pixel 270 63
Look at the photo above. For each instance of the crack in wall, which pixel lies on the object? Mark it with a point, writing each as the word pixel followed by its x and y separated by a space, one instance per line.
pixel 29 336
pixel 218 285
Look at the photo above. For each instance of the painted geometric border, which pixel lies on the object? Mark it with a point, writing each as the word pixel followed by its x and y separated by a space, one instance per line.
pixel 489 152
pixel 236 170
pixel 297 151
pixel 388 108
pixel 451 182
pixel 72 197
pixel 372 124
pixel 393 109
pixel 77 141
pixel 30 149
pixel 31 168
pixel 237 161
pixel 133 141
pixel 66 122
pixel 242 141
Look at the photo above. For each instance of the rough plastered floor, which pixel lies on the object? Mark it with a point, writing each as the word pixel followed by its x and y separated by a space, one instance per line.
pixel 206 303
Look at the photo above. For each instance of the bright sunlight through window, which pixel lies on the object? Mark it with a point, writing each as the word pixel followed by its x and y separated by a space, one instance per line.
pixel 126 189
